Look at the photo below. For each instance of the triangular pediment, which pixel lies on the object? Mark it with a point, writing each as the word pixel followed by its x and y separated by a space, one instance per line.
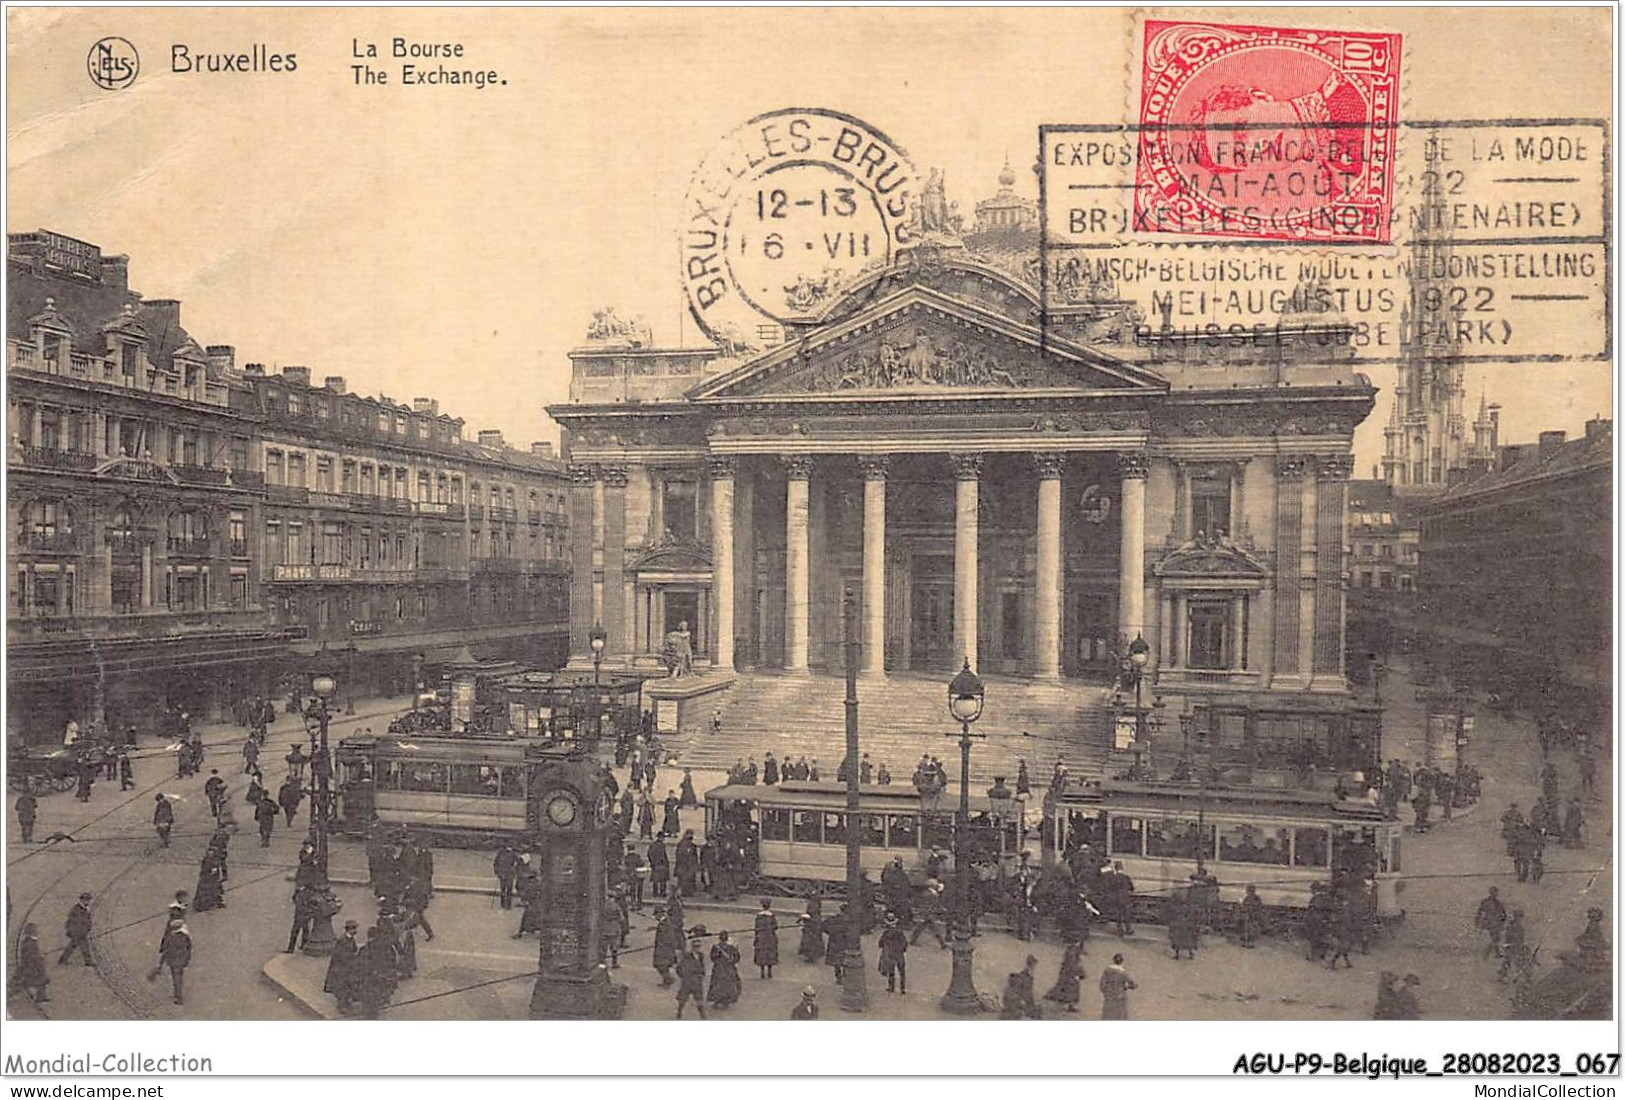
pixel 672 556
pixel 922 342
pixel 1210 557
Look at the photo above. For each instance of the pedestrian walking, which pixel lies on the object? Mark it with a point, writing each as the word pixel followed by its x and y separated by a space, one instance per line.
pixel 691 977
pixel 304 918
pixel 725 986
pixel 668 944
pixel 1573 824
pixel 342 964
pixel 811 947
pixel 765 945
pixel 1115 985
pixel 175 953
pixel 27 813
pixel 671 822
pixel 77 927
pixel 894 955
pixel 659 861
pixel 289 796
pixel 376 971
pixel 1250 917
pixel 808 1008
pixel 646 818
pixel 506 868
pixel 210 892
pixel 251 755
pixel 686 798
pixel 1180 917
pixel 1067 990
pixel 835 944
pixel 1120 896
pixel 1491 920
pixel 214 789
pixel 1514 947
pixel 87 778
pixel 687 864
pixel 265 815
pixel 30 975
pixel 1019 1002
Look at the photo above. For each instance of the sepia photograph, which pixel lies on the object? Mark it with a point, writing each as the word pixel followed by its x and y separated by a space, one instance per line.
pixel 585 519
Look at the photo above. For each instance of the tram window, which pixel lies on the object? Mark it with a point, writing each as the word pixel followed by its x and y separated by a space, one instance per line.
pixel 872 831
pixel 806 825
pixel 905 831
pixel 1252 844
pixel 1178 840
pixel 1310 848
pixel 1127 836
pixel 426 775
pixel 834 828
pixel 513 781
pixel 775 824
pixel 939 832
pixel 392 776
pixel 1355 850
pixel 479 779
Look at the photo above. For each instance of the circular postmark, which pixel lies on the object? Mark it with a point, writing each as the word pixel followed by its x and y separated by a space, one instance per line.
pixel 113 63
pixel 783 213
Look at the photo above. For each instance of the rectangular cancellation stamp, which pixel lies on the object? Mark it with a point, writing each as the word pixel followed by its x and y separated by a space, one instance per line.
pixel 1266 133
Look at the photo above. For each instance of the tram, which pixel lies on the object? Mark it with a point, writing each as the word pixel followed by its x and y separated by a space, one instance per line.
pixel 1279 841
pixel 795 833
pixel 465 792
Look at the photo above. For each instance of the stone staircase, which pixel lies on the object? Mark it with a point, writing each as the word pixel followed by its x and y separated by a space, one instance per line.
pixel 795 715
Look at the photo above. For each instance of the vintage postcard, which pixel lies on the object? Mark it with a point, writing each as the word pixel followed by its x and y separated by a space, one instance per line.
pixel 586 519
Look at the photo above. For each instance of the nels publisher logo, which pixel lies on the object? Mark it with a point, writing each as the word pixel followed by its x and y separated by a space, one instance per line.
pixel 113 63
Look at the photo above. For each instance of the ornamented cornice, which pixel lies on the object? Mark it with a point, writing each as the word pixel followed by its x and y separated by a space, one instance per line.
pixel 723 467
pixel 613 476
pixel 1133 464
pixel 582 473
pixel 967 467
pixel 797 467
pixel 1291 468
pixel 1049 464
pixel 1336 467
pixel 874 466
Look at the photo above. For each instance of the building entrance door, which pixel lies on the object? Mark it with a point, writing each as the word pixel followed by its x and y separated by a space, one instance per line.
pixel 931 631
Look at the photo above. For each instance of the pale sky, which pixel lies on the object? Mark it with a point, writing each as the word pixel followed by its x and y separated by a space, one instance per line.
pixel 453 243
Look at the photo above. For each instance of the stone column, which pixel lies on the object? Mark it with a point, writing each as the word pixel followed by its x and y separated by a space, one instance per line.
pixel 1238 505
pixel 582 479
pixel 1238 631
pixel 1047 586
pixel 723 468
pixel 1289 475
pixel 874 564
pixel 968 472
pixel 146 575
pixel 1132 467
pixel 1178 655
pixel 1330 596
pixel 798 470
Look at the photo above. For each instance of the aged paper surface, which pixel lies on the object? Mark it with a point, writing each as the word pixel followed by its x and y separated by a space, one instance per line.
pixel 537 389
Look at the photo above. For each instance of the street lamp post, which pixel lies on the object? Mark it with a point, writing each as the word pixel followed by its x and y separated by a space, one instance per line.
pixel 965 693
pixel 324 905
pixel 854 983
pixel 597 637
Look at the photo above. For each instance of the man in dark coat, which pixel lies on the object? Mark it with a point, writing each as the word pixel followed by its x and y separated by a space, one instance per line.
pixel 27 814
pixel 214 788
pixel 1573 823
pixel 646 818
pixel 30 974
pixel 1491 919
pixel 808 1008
pixel 687 863
pixel 671 822
pixel 265 815
pixel 668 945
pixel 506 868
pixel 1119 893
pixel 1180 917
pixel 375 971
pixel 289 796
pixel 530 896
pixel 765 947
pixel 811 948
pixel 304 916
pixel 691 979
pixel 770 770
pixel 77 928
pixel 659 866
pixel 1019 1001
pixel 175 952
pixel 894 954
pixel 342 965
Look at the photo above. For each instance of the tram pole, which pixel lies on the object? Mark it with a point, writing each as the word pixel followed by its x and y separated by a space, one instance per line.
pixel 854 983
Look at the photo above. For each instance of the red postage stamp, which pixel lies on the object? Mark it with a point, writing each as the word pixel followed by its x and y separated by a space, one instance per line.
pixel 1267 133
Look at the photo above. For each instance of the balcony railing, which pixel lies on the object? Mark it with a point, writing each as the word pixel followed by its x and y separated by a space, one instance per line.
pixel 143 623
pixel 52 542
pixel 53 459
pixel 129 545
pixel 287 494
pixel 201 475
pixel 191 545
pixel 494 565
pixel 239 548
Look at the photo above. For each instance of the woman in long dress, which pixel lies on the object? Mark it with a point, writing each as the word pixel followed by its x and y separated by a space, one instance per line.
pixel 724 972
pixel 812 933
pixel 210 892
pixel 765 951
pixel 1068 987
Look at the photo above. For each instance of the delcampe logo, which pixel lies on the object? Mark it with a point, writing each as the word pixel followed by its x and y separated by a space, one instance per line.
pixel 113 63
